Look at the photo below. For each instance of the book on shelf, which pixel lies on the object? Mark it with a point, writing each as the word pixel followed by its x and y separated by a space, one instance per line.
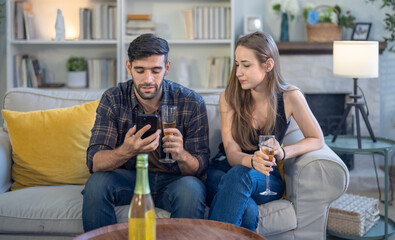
pixel 188 23
pixel 37 72
pixel 85 23
pixel 19 32
pixel 198 22
pixel 211 26
pixel 104 21
pixel 134 24
pixel 138 24
pixel 216 23
pixel 27 72
pixel 101 73
pixel 222 23
pixel 96 26
pixel 112 27
pixel 139 17
pixel 217 72
pixel 208 22
pixel 32 75
pixel 227 22
pixel 138 32
pixel 17 80
pixel 28 20
pixel 210 73
pixel 23 20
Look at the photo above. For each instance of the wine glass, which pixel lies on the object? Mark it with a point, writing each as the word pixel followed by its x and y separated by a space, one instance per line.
pixel 169 114
pixel 266 146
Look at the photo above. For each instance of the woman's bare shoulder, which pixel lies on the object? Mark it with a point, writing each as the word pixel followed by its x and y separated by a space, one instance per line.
pixel 223 104
pixel 222 99
pixel 293 92
pixel 294 97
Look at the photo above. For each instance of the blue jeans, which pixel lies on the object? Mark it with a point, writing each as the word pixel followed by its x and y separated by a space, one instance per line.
pixel 237 197
pixel 182 196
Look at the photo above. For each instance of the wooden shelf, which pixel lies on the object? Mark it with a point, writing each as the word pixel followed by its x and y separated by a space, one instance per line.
pixel 64 42
pixel 312 47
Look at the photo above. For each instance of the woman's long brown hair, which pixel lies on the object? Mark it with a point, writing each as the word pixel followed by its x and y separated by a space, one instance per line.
pixel 241 101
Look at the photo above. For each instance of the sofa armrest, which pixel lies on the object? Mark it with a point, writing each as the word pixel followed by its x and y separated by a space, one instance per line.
pixel 5 162
pixel 313 181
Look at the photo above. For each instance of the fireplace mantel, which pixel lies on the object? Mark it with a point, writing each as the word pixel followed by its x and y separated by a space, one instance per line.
pixel 292 48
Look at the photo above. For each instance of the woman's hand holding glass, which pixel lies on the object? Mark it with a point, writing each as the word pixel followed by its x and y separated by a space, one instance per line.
pixel 267 146
pixel 262 163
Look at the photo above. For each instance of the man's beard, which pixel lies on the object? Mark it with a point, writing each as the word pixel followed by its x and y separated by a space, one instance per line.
pixel 148 96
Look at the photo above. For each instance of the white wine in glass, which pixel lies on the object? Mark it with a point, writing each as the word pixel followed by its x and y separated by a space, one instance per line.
pixel 266 146
pixel 169 115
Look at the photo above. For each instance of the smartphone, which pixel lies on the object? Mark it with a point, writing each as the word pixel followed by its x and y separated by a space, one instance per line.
pixel 144 119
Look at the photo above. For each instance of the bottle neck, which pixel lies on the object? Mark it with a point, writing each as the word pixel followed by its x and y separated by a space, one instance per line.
pixel 142 184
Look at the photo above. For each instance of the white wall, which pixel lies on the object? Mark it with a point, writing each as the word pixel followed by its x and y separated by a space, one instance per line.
pixel 313 73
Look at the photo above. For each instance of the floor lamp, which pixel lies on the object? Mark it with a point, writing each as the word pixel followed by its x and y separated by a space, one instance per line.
pixel 356 59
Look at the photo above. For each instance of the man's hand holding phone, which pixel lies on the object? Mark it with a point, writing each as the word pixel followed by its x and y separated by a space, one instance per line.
pixel 147 131
pixel 143 137
pixel 133 143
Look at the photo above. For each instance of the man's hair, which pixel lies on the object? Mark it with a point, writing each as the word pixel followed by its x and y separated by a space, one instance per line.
pixel 147 45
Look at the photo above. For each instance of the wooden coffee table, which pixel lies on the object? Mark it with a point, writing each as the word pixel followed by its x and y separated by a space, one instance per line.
pixel 177 229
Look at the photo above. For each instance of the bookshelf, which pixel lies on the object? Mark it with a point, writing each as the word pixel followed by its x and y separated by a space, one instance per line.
pixel 52 55
pixel 170 25
pixel 167 14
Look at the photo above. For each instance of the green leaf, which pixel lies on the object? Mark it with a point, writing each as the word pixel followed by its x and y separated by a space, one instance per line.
pixel 277 7
pixel 75 64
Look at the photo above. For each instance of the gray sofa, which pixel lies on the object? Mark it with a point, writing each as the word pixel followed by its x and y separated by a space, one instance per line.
pixel 313 181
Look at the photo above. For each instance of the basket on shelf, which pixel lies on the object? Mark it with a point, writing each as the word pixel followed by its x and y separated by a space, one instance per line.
pixel 325 31
pixel 353 215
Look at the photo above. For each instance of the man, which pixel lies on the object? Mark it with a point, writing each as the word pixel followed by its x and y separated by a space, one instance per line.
pixel 115 141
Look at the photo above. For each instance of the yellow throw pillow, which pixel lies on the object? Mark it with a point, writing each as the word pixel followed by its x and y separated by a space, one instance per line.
pixel 49 147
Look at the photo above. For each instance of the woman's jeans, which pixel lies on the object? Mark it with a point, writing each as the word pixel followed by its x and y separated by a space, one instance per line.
pixel 182 196
pixel 237 195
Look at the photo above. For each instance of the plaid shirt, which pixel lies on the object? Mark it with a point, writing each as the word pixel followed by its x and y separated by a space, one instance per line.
pixel 117 113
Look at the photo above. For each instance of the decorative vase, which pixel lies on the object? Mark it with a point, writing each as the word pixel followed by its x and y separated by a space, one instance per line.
pixel 284 37
pixel 59 26
pixel 76 79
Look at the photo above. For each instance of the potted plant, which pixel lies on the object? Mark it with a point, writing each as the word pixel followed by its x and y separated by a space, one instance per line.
pixel 389 21
pixel 76 67
pixel 325 23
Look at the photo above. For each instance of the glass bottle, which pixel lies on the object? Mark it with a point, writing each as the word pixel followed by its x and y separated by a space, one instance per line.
pixel 142 221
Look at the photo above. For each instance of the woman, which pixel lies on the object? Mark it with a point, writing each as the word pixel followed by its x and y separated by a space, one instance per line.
pixel 256 101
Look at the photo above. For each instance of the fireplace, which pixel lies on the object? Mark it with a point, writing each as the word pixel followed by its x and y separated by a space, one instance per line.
pixel 328 108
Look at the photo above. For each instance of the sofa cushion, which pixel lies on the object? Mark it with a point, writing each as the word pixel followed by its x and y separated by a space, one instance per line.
pixel 49 147
pixel 49 210
pixel 276 217
pixel 44 209
pixel 57 210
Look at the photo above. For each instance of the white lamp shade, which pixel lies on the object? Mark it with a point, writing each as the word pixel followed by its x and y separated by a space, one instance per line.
pixel 356 59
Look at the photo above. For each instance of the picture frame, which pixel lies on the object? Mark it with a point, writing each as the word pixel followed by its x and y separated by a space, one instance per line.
pixel 361 31
pixel 252 24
